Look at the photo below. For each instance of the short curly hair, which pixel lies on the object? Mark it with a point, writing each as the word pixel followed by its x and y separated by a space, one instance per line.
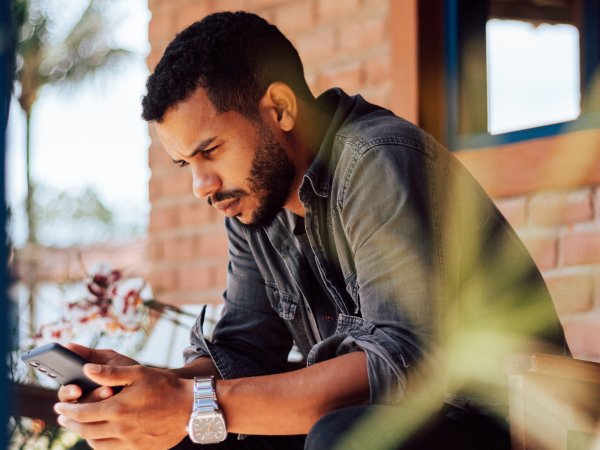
pixel 235 56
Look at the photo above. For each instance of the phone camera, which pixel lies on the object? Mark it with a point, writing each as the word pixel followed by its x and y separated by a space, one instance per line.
pixel 34 363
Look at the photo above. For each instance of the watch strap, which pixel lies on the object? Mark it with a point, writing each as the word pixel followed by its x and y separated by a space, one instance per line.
pixel 205 395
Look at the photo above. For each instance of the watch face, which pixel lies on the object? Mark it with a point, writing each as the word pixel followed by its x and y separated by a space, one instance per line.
pixel 207 428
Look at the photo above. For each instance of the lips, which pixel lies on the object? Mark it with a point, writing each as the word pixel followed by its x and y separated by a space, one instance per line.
pixel 230 207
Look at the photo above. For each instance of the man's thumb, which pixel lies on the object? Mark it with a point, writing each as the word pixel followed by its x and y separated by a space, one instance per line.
pixel 106 375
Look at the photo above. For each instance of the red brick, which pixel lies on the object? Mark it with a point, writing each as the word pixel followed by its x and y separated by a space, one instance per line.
pixel 158 158
pixel 188 14
pixel 295 16
pixel 213 245
pixel 176 183
pixel 161 7
pixel 558 208
pixel 221 277
pixel 228 5
pixel 377 70
pixel 155 55
pixel 597 203
pixel 213 297
pixel 347 76
pixel 259 4
pixel 568 160
pixel 571 292
pixel 597 287
pixel 195 277
pixel 336 9
pixel 194 214
pixel 163 280
pixel 161 219
pixel 180 248
pixel 583 336
pixel 154 188
pixel 543 249
pixel 362 34
pixel 514 209
pixel 581 247
pixel 161 29
pixel 376 6
pixel 155 250
pixel 316 45
pixel 379 96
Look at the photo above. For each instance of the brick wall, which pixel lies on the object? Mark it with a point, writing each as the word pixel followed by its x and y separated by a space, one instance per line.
pixel 549 189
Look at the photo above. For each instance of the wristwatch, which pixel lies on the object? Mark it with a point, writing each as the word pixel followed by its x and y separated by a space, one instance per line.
pixel 207 424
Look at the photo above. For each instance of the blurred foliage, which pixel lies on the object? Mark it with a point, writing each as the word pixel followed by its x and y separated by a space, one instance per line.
pixel 51 52
pixel 77 218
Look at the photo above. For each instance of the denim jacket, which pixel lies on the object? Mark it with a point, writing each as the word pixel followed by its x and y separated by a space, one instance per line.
pixel 396 226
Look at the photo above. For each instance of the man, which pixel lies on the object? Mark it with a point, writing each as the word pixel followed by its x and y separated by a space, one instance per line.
pixel 353 235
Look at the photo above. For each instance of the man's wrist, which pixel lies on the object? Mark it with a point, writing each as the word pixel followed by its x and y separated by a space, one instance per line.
pixel 187 386
pixel 200 367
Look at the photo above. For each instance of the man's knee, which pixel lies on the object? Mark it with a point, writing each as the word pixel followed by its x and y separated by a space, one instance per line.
pixel 334 427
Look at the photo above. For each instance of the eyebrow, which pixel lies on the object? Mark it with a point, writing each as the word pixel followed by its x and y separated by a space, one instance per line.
pixel 201 147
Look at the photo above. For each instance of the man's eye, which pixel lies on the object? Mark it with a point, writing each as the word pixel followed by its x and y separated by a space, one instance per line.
pixel 208 151
pixel 182 163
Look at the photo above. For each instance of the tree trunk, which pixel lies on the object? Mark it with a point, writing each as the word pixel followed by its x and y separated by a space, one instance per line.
pixel 31 231
pixel 31 276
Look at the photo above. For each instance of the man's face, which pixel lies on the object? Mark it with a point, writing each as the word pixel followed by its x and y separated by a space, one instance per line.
pixel 237 164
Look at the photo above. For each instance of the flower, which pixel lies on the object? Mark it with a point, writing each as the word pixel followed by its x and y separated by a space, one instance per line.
pixel 114 304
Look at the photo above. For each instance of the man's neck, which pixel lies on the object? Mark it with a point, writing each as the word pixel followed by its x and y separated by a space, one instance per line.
pixel 308 136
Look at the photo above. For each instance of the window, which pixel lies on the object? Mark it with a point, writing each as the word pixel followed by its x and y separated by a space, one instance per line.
pixel 499 71
pixel 533 76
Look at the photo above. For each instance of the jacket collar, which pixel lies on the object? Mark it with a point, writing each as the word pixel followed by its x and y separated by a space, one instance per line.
pixel 318 175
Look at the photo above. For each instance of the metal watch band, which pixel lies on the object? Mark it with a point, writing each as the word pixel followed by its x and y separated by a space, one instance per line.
pixel 205 396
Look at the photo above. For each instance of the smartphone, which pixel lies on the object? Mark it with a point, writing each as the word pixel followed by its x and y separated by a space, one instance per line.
pixel 61 364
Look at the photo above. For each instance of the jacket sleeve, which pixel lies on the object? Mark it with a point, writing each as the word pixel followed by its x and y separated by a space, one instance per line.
pixel 250 338
pixel 389 221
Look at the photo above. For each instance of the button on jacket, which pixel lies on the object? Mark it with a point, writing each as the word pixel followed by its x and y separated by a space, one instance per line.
pixel 409 247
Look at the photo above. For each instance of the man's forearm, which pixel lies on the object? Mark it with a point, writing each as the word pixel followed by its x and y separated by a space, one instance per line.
pixel 200 367
pixel 290 403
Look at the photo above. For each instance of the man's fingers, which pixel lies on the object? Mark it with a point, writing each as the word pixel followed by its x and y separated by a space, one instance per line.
pixel 97 395
pixel 72 392
pixel 69 393
pixel 95 430
pixel 113 375
pixel 93 355
pixel 87 412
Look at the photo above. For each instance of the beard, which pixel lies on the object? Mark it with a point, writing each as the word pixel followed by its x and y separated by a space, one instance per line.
pixel 270 180
pixel 271 177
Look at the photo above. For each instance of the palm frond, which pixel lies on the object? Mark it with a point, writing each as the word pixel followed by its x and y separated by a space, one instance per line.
pixel 84 50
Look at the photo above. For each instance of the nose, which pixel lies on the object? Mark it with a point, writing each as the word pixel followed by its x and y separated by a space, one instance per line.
pixel 204 183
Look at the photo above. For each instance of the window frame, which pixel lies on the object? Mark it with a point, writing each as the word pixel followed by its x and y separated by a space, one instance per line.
pixel 452 55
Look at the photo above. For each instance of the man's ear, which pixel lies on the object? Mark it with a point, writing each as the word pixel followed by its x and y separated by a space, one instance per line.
pixel 281 105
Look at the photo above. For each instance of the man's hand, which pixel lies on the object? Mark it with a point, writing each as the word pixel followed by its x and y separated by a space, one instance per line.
pixel 72 392
pixel 151 412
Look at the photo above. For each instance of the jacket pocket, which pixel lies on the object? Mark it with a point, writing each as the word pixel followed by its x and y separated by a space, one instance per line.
pixel 285 305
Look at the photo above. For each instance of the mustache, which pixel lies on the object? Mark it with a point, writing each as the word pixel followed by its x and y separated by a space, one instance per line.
pixel 227 195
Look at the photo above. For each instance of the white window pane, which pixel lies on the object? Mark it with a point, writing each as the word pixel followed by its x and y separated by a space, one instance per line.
pixel 533 74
